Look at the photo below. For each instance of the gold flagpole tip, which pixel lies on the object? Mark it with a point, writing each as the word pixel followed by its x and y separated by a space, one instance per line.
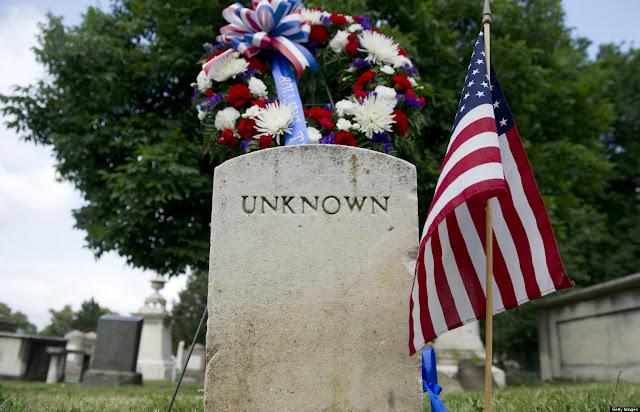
pixel 486 13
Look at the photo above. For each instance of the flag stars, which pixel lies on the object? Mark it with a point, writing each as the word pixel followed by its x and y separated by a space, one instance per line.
pixel 471 83
pixel 466 96
pixel 480 94
pixel 462 108
pixel 503 122
pixel 496 104
pixel 485 84
pixel 475 71
pixel 479 61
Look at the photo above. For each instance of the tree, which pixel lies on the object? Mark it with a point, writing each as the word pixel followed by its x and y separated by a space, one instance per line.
pixel 19 319
pixel 66 320
pixel 187 312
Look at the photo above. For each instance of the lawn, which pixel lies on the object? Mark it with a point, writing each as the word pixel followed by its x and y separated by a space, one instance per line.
pixel 155 396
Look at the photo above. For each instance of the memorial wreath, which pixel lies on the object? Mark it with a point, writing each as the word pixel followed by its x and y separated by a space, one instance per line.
pixel 247 97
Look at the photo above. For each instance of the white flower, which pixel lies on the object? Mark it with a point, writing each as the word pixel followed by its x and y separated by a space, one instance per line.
pixel 226 119
pixel 204 82
pixel 274 119
pixel 355 27
pixel 314 16
pixel 257 87
pixel 400 61
pixel 228 67
pixel 343 124
pixel 352 69
pixel 356 126
pixel 381 49
pixel 413 82
pixel 349 18
pixel 375 114
pixel 387 69
pixel 251 112
pixel 314 135
pixel 344 107
pixel 201 115
pixel 339 41
pixel 384 91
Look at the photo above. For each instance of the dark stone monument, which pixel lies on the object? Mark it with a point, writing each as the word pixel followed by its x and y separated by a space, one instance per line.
pixel 116 352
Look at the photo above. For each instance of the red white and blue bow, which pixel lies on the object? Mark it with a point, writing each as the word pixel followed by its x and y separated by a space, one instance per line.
pixel 274 23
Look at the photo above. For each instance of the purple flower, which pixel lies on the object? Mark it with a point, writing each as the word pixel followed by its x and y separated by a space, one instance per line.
pixel 362 64
pixel 329 107
pixel 388 148
pixel 381 138
pixel 249 73
pixel 210 47
pixel 245 144
pixel 208 103
pixel 408 100
pixel 408 69
pixel 366 23
pixel 328 139
pixel 195 93
pixel 273 99
pixel 326 20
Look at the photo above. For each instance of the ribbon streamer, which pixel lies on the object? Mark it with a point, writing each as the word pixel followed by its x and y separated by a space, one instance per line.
pixel 289 95
pixel 274 23
pixel 430 380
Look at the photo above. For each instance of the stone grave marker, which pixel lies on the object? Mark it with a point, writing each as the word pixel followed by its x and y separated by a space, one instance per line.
pixel 116 352
pixel 313 249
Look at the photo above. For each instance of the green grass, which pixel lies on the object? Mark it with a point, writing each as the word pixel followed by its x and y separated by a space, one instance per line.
pixel 20 396
pixel 154 396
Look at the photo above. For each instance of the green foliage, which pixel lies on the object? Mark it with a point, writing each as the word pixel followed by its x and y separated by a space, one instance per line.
pixel 188 311
pixel 66 320
pixel 18 318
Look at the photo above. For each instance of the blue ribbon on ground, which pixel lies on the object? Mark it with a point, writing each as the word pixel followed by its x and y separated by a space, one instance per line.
pixel 289 95
pixel 430 380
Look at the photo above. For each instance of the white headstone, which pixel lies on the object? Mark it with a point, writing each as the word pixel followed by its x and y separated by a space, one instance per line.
pixel 313 249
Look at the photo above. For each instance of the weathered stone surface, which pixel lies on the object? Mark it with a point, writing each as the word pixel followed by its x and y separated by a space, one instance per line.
pixel 591 334
pixel 312 255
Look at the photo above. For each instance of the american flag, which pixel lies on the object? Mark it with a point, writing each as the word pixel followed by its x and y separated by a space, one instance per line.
pixel 485 159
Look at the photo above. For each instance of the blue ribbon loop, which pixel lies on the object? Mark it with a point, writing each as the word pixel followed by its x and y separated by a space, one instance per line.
pixel 289 95
pixel 430 380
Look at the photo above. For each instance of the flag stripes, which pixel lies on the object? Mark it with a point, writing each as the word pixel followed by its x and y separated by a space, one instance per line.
pixel 485 159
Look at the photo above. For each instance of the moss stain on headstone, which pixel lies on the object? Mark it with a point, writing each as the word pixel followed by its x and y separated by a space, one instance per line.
pixel 354 169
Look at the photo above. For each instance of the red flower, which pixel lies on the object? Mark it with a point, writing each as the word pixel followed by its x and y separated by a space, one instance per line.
pixel 209 93
pixel 402 124
pixel 401 51
pixel 320 113
pixel 362 81
pixel 259 103
pixel 306 113
pixel 255 63
pixel 422 102
pixel 327 123
pixel 220 140
pixel 239 95
pixel 318 34
pixel 338 19
pixel 247 128
pixel 360 94
pixel 352 37
pixel 411 94
pixel 265 141
pixel 351 48
pixel 402 82
pixel 344 138
pixel 228 137
pixel 357 19
pixel 376 31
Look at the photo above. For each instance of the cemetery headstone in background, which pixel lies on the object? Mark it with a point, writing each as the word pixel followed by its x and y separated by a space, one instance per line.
pixel 116 352
pixel 313 249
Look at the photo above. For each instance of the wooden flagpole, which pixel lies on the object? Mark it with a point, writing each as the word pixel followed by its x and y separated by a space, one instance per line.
pixel 488 376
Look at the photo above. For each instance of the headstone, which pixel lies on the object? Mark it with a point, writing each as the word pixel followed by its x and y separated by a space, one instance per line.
pixel 116 352
pixel 471 376
pixel 77 356
pixel 55 373
pixel 196 365
pixel 313 249
pixel 154 358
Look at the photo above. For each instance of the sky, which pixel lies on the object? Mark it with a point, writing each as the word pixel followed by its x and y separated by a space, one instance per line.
pixel 43 260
